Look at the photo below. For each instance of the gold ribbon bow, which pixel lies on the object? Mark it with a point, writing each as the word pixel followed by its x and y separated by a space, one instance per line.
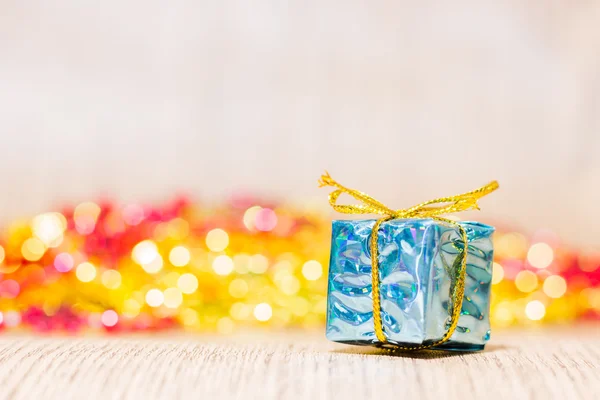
pixel 430 209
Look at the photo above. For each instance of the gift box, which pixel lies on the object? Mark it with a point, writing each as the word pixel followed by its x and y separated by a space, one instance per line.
pixel 412 279
pixel 417 267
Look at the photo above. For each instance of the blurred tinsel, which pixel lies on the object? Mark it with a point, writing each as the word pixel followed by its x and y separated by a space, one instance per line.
pixel 103 266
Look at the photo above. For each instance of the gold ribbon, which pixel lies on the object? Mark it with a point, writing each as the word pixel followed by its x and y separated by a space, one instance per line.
pixel 429 209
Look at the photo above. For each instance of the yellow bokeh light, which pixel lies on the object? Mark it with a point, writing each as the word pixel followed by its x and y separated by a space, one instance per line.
pixel 263 312
pixel 33 249
pixel 217 240
pixel 173 298
pixel 535 310
pixel 312 270
pixel 511 244
pixel 240 311
pixel 155 298
pixel 238 288
pixel 555 286
pixel 283 315
pixel 321 306
pixel 179 256
pixel 289 285
pixel 225 325
pixel 154 266
pixel 284 266
pixel 222 265
pixel 187 283
pixel 593 297
pixel 144 252
pixel 131 308
pixel 86 272
pixel 540 255
pixel 49 228
pixel 178 228
pixel 258 264
pixel 2 254
pixel 250 217
pixel 497 273
pixel 85 216
pixel 111 279
pixel 241 262
pixel 502 314
pixel 526 281
pixel 299 306
pixel 87 208
pixel 189 317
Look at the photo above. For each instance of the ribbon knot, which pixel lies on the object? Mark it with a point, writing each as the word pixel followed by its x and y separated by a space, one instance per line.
pixel 433 209
pixel 437 207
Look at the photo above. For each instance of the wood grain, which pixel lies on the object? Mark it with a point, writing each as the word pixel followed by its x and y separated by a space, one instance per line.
pixel 516 365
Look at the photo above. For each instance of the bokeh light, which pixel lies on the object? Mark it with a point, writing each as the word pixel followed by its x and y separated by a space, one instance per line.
pixel 109 318
pixel 131 308
pixel 154 266
pixel 64 262
pixel 312 270
pixel 133 214
pixel 12 318
pixel 526 281
pixel 535 310
pixel 263 312
pixel 228 268
pixel 145 252
pixel 49 228
pixel 86 272
pixel 155 298
pixel 187 283
pixel 265 220
pixel 238 288
pixel 85 216
pixel 173 298
pixel 179 256
pixel 497 273
pixel 258 264
pixel 225 326
pixel 111 279
pixel 250 217
pixel 217 240
pixel 540 255
pixel 555 286
pixel 33 249
pixel 222 265
pixel 9 289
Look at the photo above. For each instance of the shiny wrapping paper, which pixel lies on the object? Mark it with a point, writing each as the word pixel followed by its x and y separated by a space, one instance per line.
pixel 416 270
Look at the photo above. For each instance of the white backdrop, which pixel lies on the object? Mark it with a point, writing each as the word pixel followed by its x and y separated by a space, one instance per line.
pixel 139 99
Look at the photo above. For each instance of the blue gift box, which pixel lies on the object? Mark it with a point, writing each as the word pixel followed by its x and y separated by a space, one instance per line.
pixel 416 273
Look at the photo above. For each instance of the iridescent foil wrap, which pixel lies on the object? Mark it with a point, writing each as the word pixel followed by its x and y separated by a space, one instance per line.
pixel 417 259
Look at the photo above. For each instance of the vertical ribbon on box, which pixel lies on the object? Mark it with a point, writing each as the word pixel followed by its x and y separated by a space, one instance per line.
pixel 433 209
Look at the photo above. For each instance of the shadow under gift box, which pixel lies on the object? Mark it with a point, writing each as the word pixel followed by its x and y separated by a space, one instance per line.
pixel 416 258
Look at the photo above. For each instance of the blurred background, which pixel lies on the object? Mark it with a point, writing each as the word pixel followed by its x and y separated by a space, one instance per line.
pixel 123 117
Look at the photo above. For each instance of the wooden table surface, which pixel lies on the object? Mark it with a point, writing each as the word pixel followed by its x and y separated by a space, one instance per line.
pixel 554 363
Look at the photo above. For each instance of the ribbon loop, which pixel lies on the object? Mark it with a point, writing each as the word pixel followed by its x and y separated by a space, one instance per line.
pixel 429 209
